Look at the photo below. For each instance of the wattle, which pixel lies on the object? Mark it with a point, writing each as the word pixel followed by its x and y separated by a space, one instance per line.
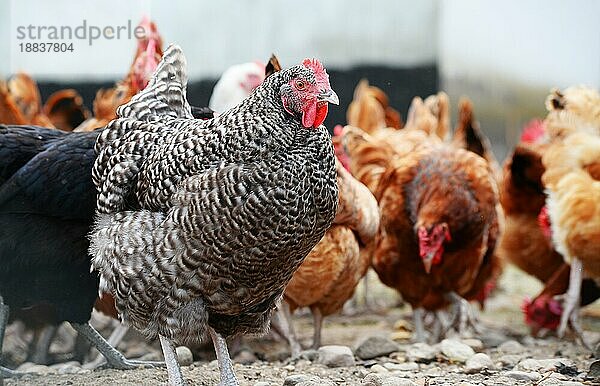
pixel 322 108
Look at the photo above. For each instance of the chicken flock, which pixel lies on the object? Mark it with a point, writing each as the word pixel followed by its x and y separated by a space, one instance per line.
pixel 187 223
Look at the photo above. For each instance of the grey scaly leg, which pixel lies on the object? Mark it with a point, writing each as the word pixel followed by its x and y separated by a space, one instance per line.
pixel 225 366
pixel 418 322
pixel 317 325
pixel 40 349
pixel 285 318
pixel 114 358
pixel 173 369
pixel 114 339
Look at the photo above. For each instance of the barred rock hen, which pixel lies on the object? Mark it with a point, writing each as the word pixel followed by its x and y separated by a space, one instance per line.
pixel 201 224
pixel 330 273
pixel 47 202
pixel 439 221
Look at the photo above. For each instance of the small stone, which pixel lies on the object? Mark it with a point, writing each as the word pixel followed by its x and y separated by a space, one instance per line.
pixel 421 352
pixel 594 372
pixel 475 344
pixel 184 356
pixel 336 356
pixel 509 360
pixel 38 369
pixel 493 339
pixel 379 369
pixel 261 383
pixel 479 362
pixel 69 368
pixel 465 384
pixel 309 355
pixel 523 376
pixel 295 379
pixel 511 347
pixel 289 367
pixel 456 351
pixel 542 365
pixel 245 357
pixel 375 346
pixel 409 366
pixel 374 379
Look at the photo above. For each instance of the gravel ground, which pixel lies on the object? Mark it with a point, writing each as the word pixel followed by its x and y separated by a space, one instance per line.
pixel 502 354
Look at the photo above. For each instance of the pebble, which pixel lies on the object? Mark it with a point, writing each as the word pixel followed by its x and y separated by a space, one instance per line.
pixel 479 362
pixel 375 346
pixel 511 347
pixel 465 384
pixel 383 380
pixel 309 355
pixel 542 365
pixel 409 366
pixel 289 367
pixel 523 376
pixel 379 369
pixel 475 344
pixel 421 352
pixel 184 356
pixel 71 367
pixel 493 339
pixel 456 351
pixel 245 357
pixel 261 383
pixel 295 379
pixel 34 368
pixel 510 359
pixel 336 356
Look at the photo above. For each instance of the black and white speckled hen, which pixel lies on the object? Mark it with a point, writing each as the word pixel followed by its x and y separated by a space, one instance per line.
pixel 201 224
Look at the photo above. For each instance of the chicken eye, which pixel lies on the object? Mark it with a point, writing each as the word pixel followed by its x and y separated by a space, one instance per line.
pixel 300 85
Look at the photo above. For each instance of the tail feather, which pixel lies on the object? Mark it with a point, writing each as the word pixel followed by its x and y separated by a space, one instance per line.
pixel 165 94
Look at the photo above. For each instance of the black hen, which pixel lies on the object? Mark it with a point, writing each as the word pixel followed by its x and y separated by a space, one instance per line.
pixel 47 203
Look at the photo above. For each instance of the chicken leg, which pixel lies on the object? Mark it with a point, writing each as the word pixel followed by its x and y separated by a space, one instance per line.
pixel 225 366
pixel 4 372
pixel 39 350
pixel 463 314
pixel 114 358
pixel 173 369
pixel 570 313
pixel 285 318
pixel 114 339
pixel 418 323
pixel 317 325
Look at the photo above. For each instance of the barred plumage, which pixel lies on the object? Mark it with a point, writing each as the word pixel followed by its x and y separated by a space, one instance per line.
pixel 203 223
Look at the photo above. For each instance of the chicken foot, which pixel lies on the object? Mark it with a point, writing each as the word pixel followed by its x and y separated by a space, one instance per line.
pixel 228 377
pixel 570 314
pixel 173 368
pixel 463 314
pixel 113 357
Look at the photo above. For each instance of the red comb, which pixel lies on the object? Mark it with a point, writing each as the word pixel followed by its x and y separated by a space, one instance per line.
pixel 319 71
pixel 534 131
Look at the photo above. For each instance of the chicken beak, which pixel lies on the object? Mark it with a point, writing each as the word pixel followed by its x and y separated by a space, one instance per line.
pixel 328 96
pixel 428 261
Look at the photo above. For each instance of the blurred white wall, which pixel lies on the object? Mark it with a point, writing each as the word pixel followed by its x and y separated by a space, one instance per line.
pixel 216 34
pixel 540 42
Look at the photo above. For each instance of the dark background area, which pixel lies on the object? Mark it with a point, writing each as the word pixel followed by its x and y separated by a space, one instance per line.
pixel 400 84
